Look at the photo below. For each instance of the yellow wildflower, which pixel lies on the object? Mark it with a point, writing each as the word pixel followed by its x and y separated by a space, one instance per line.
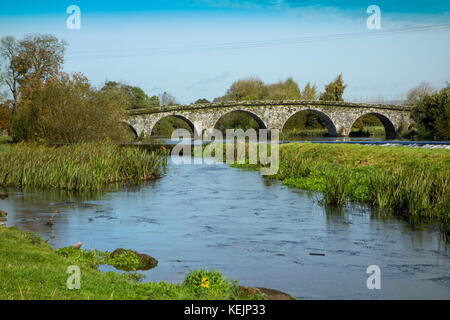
pixel 205 283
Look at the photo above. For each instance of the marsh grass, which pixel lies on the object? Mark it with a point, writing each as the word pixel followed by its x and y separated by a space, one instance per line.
pixel 86 167
pixel 407 181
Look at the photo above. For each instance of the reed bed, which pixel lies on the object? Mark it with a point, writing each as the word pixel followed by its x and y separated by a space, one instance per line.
pixel 86 167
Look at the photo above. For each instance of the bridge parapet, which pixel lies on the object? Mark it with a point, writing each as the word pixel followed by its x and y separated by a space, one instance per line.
pixel 259 103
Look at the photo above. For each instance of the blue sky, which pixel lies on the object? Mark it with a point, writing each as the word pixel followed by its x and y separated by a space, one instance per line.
pixel 197 48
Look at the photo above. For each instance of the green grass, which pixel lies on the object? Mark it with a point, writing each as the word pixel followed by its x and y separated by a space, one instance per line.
pixel 31 269
pixel 305 133
pixel 5 139
pixel 369 131
pixel 86 167
pixel 410 182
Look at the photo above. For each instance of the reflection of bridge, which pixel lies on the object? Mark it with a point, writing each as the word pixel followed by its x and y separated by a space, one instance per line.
pixel 338 116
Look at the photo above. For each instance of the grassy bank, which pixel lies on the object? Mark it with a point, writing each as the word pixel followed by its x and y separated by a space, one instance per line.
pixel 31 269
pixel 84 167
pixel 404 181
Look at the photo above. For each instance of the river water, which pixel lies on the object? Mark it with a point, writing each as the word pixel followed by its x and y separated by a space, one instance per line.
pixel 253 229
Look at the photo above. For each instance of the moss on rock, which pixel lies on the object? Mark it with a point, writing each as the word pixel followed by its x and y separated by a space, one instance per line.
pixel 128 260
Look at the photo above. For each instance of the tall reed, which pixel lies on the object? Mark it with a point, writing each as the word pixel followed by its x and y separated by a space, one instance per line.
pixel 86 167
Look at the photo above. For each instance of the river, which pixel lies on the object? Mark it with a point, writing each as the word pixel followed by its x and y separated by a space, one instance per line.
pixel 253 229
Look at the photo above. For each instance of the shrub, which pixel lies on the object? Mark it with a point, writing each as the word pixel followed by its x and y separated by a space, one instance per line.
pixel 67 110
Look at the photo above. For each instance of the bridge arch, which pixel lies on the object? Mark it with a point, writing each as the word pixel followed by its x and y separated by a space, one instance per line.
pixel 178 116
pixel 253 115
pixel 332 131
pixel 130 126
pixel 389 127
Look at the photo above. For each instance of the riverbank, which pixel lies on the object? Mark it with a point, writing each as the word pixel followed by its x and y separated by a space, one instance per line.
pixel 403 181
pixel 84 167
pixel 32 269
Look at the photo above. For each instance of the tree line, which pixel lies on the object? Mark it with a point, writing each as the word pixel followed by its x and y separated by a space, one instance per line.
pixel 47 104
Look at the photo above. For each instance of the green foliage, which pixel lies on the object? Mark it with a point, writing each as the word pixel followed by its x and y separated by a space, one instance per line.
pixel 334 90
pixel 246 89
pixel 255 89
pixel 134 97
pixel 309 92
pixel 154 102
pixel 304 124
pixel 165 126
pixel 432 115
pixel 366 126
pixel 67 110
pixel 210 284
pixel 236 120
pixel 287 90
pixel 202 100
pixel 81 168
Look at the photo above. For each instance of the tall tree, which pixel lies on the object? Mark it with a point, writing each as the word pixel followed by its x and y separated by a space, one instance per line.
pixel 9 73
pixel 284 90
pixel 246 89
pixel 418 93
pixel 32 60
pixel 166 99
pixel 334 90
pixel 5 113
pixel 309 92
pixel 40 57
pixel 136 97
pixel 432 114
pixel 154 102
pixel 255 89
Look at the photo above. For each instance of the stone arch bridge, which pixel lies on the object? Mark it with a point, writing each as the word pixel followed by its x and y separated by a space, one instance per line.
pixel 338 116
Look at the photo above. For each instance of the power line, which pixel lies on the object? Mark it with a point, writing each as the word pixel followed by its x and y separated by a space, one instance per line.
pixel 104 54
